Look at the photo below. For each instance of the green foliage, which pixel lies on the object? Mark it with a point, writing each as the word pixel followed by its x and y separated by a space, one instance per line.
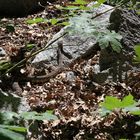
pixel 4 65
pixel 110 38
pixel 53 21
pixel 84 26
pixel 127 104
pixel 6 134
pixel 80 2
pixel 137 52
pixel 77 5
pixel 8 118
pixel 35 20
pixel 38 116
pixel 101 1
pixel 30 46
pixel 112 103
pixel 14 128
pixel 9 129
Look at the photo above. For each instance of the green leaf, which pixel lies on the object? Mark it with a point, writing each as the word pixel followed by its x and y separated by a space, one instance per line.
pixel 111 103
pixel 81 2
pixel 96 5
pixel 84 7
pixel 38 116
pixel 128 101
pixel 28 115
pixel 111 38
pixel 8 117
pixel 116 35
pixel 101 1
pixel 4 65
pixel 71 8
pixel 49 116
pixel 131 108
pixel 14 128
pixel 34 21
pixel 53 21
pixel 135 112
pixel 11 135
pixel 133 1
pixel 30 46
pixel 116 45
pixel 104 42
pixel 137 52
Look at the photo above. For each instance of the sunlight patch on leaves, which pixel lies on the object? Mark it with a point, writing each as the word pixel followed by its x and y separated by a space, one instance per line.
pixel 111 103
pixel 128 104
pixel 81 2
pixel 101 1
pixel 53 21
pixel 30 46
pixel 34 20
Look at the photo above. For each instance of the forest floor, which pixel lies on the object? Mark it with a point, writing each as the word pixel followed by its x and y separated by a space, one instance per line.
pixel 75 100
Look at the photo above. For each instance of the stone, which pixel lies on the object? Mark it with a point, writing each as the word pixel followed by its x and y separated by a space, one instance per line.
pixel 80 37
pixel 127 23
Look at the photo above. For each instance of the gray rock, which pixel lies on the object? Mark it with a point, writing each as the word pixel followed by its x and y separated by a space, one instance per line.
pixel 127 23
pixel 81 35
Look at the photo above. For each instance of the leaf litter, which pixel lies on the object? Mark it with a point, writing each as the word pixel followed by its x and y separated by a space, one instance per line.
pixel 73 95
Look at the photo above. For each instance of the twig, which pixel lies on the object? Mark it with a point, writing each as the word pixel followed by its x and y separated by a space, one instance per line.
pixel 106 11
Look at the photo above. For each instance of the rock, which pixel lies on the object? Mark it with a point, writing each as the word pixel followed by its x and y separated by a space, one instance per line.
pixel 127 23
pixel 80 37
pixel 20 8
